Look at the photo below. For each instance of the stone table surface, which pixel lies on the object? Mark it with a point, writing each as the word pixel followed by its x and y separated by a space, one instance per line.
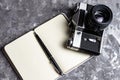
pixel 20 16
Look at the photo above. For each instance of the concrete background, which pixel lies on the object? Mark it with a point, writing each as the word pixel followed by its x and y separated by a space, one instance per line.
pixel 20 16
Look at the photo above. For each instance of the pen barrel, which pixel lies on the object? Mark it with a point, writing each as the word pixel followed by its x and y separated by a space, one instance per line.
pixel 56 66
pixel 48 54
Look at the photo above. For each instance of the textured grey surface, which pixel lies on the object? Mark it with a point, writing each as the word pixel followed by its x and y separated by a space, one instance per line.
pixel 20 16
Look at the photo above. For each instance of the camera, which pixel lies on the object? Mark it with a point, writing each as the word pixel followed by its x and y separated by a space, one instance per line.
pixel 86 27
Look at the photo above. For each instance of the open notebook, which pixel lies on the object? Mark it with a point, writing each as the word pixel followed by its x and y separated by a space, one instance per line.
pixel 29 59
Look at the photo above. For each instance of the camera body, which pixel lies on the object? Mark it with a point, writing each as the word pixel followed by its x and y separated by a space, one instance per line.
pixel 86 27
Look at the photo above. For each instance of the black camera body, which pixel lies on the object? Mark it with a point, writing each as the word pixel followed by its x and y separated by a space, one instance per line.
pixel 86 27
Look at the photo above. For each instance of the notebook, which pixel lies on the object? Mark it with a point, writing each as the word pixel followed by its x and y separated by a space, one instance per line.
pixel 30 61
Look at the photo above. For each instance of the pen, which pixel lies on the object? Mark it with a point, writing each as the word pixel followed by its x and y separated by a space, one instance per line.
pixel 48 54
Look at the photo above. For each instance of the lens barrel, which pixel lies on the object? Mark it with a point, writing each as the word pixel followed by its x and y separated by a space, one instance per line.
pixel 98 17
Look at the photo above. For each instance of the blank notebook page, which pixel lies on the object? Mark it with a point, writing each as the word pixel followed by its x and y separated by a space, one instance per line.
pixel 54 34
pixel 29 59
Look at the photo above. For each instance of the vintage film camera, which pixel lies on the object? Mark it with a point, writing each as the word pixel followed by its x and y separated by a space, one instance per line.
pixel 86 27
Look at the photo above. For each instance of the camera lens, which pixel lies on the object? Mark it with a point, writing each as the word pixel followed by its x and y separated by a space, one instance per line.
pixel 99 17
